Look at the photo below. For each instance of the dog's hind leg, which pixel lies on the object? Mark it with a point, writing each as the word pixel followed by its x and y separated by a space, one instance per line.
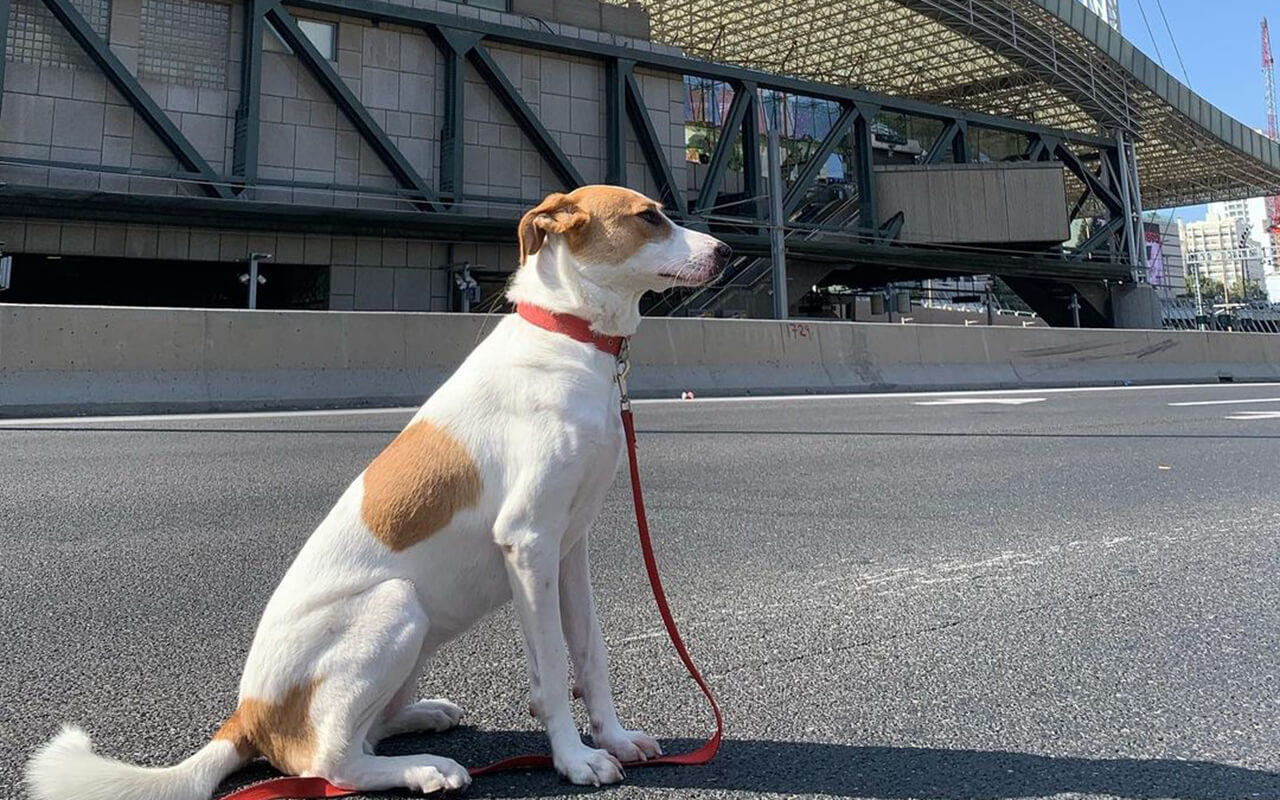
pixel 433 716
pixel 368 666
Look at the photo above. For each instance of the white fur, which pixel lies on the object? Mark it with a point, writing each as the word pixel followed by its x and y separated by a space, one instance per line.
pixel 538 413
pixel 68 769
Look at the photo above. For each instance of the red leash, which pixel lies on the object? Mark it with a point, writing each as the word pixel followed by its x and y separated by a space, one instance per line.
pixel 306 788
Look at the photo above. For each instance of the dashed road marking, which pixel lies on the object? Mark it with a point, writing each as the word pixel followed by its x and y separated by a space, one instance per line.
pixel 973 401
pixel 1226 402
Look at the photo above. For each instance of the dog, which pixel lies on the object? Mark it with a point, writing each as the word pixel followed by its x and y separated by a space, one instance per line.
pixel 486 496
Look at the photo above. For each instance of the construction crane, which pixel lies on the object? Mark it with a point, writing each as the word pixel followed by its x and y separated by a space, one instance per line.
pixel 1269 83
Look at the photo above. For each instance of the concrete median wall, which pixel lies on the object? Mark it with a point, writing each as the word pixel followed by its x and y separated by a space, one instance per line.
pixel 77 359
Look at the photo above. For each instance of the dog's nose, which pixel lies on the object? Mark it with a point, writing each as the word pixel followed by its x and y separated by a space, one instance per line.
pixel 723 251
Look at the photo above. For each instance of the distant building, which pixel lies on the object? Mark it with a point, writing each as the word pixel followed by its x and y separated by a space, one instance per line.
pixel 1222 249
pixel 1254 213
pixel 1109 10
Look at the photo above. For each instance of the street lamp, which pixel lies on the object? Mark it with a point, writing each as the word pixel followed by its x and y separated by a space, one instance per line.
pixel 253 278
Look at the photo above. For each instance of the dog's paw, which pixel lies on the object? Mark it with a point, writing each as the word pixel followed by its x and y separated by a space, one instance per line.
pixel 429 715
pixel 587 766
pixel 442 774
pixel 629 746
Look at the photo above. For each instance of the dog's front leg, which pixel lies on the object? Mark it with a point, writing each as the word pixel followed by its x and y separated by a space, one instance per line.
pixel 591 662
pixel 533 567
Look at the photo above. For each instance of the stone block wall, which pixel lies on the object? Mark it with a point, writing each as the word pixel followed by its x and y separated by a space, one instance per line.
pixel 70 114
pixel 58 107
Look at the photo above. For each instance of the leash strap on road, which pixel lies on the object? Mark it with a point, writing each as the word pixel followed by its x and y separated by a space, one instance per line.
pixel 307 788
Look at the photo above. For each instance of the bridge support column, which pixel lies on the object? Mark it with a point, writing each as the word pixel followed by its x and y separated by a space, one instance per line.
pixel 1130 194
pixel 1135 305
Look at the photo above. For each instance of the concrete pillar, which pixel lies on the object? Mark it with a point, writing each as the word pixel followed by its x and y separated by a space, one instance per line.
pixel 1136 305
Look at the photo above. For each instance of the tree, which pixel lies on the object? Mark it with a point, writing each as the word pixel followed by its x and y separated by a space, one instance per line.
pixel 1209 287
pixel 1252 290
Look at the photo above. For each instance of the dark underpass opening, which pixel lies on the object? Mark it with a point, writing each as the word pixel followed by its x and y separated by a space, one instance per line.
pixel 96 280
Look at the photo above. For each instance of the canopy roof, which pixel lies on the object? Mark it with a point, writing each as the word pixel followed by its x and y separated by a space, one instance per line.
pixel 1051 62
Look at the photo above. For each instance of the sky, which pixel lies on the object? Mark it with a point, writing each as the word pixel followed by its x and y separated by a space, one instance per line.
pixel 1221 46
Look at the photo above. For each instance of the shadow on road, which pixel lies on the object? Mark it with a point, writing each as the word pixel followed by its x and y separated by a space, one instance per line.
pixel 835 770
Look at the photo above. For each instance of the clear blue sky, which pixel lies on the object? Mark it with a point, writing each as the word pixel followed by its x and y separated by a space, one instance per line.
pixel 1220 42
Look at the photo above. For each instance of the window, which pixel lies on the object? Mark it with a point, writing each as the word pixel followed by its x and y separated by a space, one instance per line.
pixel 36 37
pixel 185 42
pixel 322 35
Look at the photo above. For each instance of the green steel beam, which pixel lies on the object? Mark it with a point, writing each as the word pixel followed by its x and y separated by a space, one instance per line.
pixel 960 143
pixel 1099 237
pixel 615 115
pixel 1036 150
pixel 1100 190
pixel 244 160
pixel 670 193
pixel 124 82
pixel 455 45
pixel 892 228
pixel 755 203
pixel 354 110
pixel 809 173
pixel 744 101
pixel 946 142
pixel 868 216
pixel 1079 204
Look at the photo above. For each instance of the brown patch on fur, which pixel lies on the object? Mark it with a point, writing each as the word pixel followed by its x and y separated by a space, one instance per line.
pixel 601 223
pixel 282 732
pixel 233 731
pixel 555 214
pixel 415 486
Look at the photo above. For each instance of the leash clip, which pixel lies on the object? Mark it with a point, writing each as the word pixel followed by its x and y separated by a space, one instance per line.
pixel 624 369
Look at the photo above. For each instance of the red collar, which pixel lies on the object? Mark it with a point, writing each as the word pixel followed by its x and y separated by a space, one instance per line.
pixel 575 328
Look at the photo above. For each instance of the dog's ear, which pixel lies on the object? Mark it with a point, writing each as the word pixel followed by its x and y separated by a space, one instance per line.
pixel 556 214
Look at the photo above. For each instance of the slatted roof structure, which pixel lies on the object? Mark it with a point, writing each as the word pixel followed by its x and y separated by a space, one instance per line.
pixel 1051 62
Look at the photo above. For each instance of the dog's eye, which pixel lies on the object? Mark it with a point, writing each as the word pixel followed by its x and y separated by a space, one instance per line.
pixel 651 216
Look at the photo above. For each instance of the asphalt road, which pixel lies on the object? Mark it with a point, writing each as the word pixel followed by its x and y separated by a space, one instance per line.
pixel 896 597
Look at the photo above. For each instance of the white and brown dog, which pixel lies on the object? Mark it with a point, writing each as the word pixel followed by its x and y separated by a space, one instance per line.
pixel 486 496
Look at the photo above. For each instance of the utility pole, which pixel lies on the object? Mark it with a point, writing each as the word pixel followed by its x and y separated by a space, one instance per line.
pixel 1201 321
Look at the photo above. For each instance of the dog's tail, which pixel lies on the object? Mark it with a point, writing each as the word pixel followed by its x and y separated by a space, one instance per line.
pixel 66 768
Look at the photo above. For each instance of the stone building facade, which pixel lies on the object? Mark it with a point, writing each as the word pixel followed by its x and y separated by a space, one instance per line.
pixel 64 126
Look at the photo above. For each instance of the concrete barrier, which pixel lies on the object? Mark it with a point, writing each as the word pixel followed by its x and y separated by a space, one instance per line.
pixel 89 359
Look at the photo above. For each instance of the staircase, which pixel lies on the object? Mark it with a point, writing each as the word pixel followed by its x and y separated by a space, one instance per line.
pixel 832 205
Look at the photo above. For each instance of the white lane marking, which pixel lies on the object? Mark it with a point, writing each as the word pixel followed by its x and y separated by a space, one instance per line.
pixel 973 401
pixel 1226 402
pixel 780 398
pixel 1251 415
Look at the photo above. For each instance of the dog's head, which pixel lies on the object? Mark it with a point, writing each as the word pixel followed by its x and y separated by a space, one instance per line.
pixel 619 239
